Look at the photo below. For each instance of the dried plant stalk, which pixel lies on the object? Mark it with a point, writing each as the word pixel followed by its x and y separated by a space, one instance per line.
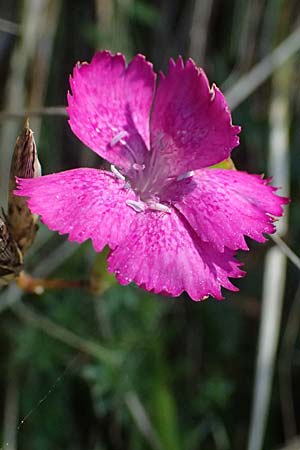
pixel 11 410
pixel 11 258
pixel 275 263
pixel 19 227
pixel 21 223
pixel 199 29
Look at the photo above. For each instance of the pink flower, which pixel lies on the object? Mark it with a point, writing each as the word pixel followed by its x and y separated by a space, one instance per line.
pixel 172 223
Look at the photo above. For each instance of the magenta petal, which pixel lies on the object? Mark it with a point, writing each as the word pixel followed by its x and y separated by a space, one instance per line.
pixel 110 105
pixel 83 203
pixel 191 124
pixel 223 206
pixel 162 254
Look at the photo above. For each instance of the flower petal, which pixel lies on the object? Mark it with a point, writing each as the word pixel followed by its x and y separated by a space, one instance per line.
pixel 83 203
pixel 190 124
pixel 223 206
pixel 110 106
pixel 162 254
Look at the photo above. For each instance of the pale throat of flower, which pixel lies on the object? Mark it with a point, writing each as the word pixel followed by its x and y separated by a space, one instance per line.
pixel 140 205
pixel 148 179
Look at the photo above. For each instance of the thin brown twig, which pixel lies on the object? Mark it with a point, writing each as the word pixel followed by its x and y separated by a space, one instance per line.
pixel 39 285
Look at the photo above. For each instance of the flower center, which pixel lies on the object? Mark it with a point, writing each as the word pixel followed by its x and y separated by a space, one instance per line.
pixel 149 178
pixel 145 200
pixel 144 178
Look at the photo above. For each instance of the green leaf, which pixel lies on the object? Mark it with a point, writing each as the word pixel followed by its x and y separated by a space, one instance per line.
pixel 226 164
pixel 100 279
pixel 145 14
pixel 164 410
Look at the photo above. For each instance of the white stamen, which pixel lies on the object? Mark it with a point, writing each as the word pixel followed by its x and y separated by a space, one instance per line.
pixel 117 173
pixel 118 137
pixel 138 167
pixel 137 206
pixel 185 175
pixel 159 207
pixel 212 92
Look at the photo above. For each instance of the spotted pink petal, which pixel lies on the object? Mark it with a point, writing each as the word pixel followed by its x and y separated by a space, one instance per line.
pixel 162 254
pixel 109 108
pixel 223 206
pixel 83 203
pixel 191 123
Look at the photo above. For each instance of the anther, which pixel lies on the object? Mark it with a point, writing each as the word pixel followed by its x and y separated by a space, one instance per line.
pixel 185 175
pixel 117 173
pixel 159 207
pixel 137 206
pixel 212 92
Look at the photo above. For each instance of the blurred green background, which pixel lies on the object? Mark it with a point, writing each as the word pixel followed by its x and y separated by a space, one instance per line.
pixel 124 369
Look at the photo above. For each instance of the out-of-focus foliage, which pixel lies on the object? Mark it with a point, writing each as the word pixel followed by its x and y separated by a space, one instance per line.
pixel 183 375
